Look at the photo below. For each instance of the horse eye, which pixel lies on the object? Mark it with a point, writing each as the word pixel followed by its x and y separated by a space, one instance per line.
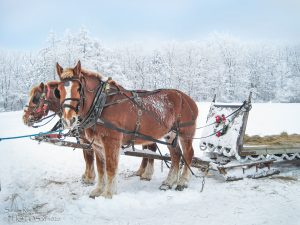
pixel 57 93
pixel 79 88
pixel 35 100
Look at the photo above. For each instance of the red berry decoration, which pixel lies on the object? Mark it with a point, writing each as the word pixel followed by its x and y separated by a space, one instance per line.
pixel 218 119
pixel 223 118
pixel 218 134
pixel 45 107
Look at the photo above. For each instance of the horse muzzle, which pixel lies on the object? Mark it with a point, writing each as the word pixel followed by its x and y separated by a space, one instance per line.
pixel 70 123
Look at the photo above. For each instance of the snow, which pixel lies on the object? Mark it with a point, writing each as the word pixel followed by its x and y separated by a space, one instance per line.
pixel 156 103
pixel 45 183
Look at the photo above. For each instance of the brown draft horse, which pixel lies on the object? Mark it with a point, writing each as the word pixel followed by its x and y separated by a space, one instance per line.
pixel 163 110
pixel 45 98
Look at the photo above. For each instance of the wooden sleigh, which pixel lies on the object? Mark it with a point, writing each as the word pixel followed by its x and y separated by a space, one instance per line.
pixel 234 153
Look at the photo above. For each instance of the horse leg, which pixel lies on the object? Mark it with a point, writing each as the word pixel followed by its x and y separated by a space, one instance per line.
pixel 172 177
pixel 89 175
pixel 149 170
pixel 188 153
pixel 142 168
pixel 112 153
pixel 101 166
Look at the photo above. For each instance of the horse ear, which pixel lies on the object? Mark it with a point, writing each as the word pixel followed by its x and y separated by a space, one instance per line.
pixel 57 93
pixel 77 68
pixel 42 86
pixel 59 69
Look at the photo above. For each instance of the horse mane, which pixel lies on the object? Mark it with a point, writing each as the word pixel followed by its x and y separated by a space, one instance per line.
pixel 32 91
pixel 68 73
pixel 92 74
pixel 53 83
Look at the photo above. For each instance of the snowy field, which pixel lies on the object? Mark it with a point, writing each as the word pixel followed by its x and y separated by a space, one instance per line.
pixel 41 184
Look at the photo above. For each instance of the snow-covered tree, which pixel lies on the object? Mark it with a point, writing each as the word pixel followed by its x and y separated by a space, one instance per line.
pixel 219 64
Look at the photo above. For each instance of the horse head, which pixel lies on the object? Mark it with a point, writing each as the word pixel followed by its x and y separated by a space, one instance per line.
pixel 43 98
pixel 70 91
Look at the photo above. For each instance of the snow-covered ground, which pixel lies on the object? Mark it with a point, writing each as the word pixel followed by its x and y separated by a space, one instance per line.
pixel 43 182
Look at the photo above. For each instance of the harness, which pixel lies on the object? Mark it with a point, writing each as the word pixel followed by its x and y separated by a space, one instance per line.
pixel 96 109
pixel 100 101
pixel 43 98
pixel 78 100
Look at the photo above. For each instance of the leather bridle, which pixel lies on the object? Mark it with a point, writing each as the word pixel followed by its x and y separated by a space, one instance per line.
pixel 41 105
pixel 80 101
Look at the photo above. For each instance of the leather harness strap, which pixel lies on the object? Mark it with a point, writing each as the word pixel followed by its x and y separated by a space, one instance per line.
pixel 93 116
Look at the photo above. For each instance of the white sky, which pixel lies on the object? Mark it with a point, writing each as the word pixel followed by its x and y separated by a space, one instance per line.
pixel 26 24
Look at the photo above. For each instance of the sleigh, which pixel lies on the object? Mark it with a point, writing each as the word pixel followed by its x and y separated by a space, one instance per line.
pixel 230 149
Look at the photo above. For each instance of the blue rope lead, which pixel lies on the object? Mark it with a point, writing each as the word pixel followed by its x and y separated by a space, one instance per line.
pixel 31 135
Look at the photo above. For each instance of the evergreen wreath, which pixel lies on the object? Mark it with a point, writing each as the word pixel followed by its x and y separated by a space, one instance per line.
pixel 221 126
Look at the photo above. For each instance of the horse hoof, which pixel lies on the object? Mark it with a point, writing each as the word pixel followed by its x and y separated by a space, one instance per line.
pixel 165 187
pixel 87 181
pixel 93 197
pixel 180 187
pixel 138 173
pixel 107 195
pixel 95 193
pixel 145 178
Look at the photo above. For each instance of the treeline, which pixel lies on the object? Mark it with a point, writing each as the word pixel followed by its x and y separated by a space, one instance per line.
pixel 219 64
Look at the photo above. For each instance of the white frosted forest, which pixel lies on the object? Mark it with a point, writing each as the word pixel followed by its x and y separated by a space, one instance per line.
pixel 217 64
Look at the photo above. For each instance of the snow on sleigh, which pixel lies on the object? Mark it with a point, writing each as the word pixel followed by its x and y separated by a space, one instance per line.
pixel 230 149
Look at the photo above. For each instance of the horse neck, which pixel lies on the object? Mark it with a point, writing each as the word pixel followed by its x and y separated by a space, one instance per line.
pixel 54 102
pixel 89 95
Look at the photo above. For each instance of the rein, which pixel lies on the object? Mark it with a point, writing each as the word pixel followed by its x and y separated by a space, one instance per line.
pixel 44 118
pixel 31 135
